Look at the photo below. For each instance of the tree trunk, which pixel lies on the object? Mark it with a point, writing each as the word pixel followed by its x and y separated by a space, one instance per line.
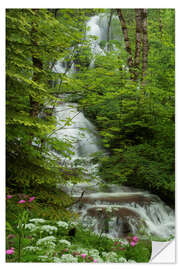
pixel 160 23
pixel 126 39
pixel 108 29
pixel 138 42
pixel 145 45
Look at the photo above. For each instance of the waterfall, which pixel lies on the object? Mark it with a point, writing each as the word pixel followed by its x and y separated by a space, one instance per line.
pixel 113 210
pixel 117 210
pixel 75 128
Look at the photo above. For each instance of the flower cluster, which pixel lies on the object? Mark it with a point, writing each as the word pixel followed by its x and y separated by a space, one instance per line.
pixel 65 242
pixel 49 240
pixel 68 258
pixel 132 240
pixel 29 199
pixel 30 226
pixel 62 224
pixel 112 257
pixel 37 220
pixel 31 248
pixel 10 251
pixel 49 229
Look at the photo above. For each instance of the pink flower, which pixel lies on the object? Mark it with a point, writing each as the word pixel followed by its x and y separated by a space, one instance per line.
pixel 31 199
pixel 95 261
pixel 9 251
pixel 12 248
pixel 22 201
pixel 132 244
pixel 83 255
pixel 135 239
pixel 9 196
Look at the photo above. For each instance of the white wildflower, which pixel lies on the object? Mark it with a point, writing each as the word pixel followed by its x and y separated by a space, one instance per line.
pixel 68 258
pixel 56 260
pixel 37 220
pixel 131 261
pixel 122 260
pixel 49 229
pixel 93 252
pixel 73 223
pixel 123 241
pixel 49 240
pixel 62 224
pixel 110 256
pixel 43 258
pixel 82 250
pixel 63 241
pixel 104 254
pixel 31 248
pixel 31 227
pixel 99 259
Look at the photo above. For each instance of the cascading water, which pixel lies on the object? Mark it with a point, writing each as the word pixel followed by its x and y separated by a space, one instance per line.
pixel 110 209
pixel 72 124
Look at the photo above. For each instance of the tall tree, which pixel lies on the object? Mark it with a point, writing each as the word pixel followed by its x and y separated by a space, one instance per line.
pixel 130 60
pixel 141 44
pixel 145 46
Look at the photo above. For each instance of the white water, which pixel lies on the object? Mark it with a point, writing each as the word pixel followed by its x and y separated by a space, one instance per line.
pixel 139 211
pixel 154 216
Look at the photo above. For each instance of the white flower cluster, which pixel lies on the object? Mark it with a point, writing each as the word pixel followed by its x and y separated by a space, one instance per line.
pixel 31 248
pixel 43 258
pixel 56 260
pixel 49 229
pixel 31 227
pixel 93 252
pixel 113 257
pixel 123 241
pixel 73 223
pixel 47 241
pixel 131 261
pixel 122 260
pixel 68 258
pixel 37 220
pixel 63 241
pixel 82 250
pixel 62 224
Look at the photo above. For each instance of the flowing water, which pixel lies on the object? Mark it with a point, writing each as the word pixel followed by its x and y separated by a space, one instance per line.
pixel 110 209
pixel 106 208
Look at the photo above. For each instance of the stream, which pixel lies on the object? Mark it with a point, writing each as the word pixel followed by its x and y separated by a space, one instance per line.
pixel 114 210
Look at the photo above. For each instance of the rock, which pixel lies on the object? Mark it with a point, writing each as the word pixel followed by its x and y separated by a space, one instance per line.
pixel 116 198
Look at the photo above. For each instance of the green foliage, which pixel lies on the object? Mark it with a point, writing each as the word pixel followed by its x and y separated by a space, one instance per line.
pixel 35 40
pixel 135 253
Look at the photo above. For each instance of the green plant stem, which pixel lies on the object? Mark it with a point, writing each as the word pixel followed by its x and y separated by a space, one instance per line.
pixel 19 248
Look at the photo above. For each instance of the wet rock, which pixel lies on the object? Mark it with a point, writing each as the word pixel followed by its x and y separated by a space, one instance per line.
pixel 135 198
pixel 96 211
